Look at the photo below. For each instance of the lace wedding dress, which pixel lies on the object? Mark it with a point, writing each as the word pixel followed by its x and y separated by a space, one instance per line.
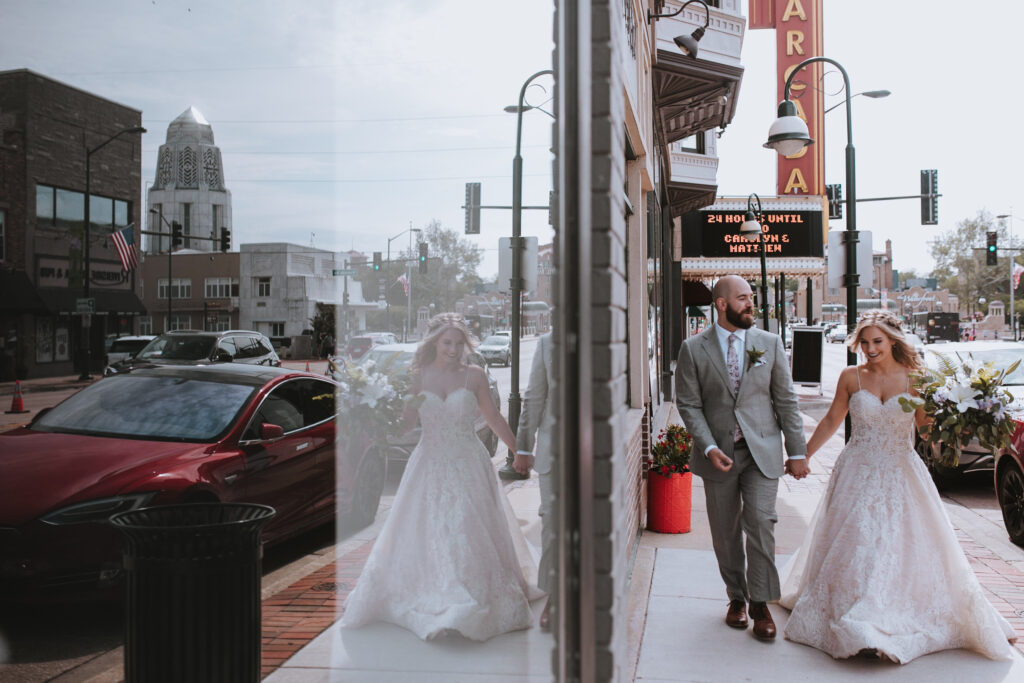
pixel 881 567
pixel 445 559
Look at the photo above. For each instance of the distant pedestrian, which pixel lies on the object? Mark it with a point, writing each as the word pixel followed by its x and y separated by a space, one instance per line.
pixel 326 346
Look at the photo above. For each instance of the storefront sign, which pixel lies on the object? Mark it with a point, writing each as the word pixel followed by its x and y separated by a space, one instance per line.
pixel 786 234
pixel 58 273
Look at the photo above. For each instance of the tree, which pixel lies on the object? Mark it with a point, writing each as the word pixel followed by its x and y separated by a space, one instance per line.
pixel 322 323
pixel 960 260
pixel 451 269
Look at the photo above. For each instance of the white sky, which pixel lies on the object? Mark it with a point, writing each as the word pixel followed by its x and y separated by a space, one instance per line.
pixel 343 122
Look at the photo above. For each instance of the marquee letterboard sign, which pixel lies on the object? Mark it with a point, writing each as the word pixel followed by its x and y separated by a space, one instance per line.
pixel 716 234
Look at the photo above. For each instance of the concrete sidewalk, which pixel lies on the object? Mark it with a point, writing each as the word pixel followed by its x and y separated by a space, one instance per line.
pixel 676 611
pixel 683 636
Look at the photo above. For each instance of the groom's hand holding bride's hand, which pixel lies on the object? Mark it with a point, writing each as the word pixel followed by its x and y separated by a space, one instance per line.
pixel 798 469
pixel 522 463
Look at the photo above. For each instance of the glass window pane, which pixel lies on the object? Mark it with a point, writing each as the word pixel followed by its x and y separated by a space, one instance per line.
pixel 44 203
pixel 70 209
pixel 120 213
pixel 101 211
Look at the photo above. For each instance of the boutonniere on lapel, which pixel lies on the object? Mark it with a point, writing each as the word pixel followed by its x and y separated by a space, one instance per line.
pixel 755 357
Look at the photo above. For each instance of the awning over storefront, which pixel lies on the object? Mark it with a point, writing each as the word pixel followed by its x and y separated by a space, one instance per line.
pixel 19 294
pixel 107 300
pixel 685 197
pixel 693 95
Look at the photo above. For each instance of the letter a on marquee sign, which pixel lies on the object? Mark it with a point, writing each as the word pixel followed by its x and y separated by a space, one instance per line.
pixel 797 25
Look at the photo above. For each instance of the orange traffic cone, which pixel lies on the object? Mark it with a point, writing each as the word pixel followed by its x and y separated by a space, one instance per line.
pixel 17 405
pixel 307 366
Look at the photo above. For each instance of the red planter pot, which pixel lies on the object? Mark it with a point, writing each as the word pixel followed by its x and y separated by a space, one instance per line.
pixel 668 502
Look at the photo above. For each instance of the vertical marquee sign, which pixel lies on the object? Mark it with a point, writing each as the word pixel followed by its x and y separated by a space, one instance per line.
pixel 798 35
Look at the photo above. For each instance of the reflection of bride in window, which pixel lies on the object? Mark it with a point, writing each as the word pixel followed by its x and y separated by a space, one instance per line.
pixel 445 560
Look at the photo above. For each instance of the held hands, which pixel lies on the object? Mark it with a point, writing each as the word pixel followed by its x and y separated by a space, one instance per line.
pixel 522 463
pixel 798 469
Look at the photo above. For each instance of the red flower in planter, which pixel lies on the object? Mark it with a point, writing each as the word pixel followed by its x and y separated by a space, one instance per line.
pixel 672 451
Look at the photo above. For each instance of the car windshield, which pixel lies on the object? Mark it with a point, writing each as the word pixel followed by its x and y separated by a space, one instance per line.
pixel 496 340
pixel 1000 359
pixel 178 348
pixel 127 346
pixel 360 343
pixel 160 408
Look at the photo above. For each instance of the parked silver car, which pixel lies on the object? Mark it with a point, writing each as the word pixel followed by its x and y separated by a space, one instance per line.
pixel 495 349
pixel 197 347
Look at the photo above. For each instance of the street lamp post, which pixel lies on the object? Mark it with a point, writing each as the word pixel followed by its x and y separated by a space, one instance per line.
pixel 170 251
pixel 517 244
pixel 85 352
pixel 1013 313
pixel 387 299
pixel 787 136
pixel 751 229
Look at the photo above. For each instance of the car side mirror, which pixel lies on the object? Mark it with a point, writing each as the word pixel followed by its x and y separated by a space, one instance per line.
pixel 222 356
pixel 271 432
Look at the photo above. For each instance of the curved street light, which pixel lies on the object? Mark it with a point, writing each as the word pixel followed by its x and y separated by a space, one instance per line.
pixel 787 136
pixel 517 244
pixel 688 44
pixel 85 350
pixel 751 230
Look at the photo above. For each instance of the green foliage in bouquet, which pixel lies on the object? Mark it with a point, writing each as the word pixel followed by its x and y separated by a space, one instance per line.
pixel 672 451
pixel 963 402
pixel 370 402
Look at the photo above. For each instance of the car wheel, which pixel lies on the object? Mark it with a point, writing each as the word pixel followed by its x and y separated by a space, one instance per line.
pixel 1010 494
pixel 368 488
pixel 944 477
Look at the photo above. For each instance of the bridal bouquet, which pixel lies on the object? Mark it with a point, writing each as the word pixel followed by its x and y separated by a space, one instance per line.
pixel 963 402
pixel 672 451
pixel 369 402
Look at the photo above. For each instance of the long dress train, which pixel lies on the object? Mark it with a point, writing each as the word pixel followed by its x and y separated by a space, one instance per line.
pixel 445 560
pixel 881 567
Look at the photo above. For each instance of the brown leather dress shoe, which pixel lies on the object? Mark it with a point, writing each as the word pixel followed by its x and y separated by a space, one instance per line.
pixel 737 614
pixel 764 627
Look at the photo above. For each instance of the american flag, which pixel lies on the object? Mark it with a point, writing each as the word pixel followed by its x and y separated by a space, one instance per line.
pixel 404 281
pixel 124 242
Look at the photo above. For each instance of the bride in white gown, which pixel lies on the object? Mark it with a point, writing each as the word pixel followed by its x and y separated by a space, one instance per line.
pixel 445 560
pixel 881 570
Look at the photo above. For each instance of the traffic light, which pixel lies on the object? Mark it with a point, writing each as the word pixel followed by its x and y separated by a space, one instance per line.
pixel 992 249
pixel 176 235
pixel 835 201
pixel 472 208
pixel 930 197
pixel 423 257
pixel 225 239
pixel 377 261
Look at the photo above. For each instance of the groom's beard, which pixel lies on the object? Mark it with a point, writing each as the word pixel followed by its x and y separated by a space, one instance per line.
pixel 741 318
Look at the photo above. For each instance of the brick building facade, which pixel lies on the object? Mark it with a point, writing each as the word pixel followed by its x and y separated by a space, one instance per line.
pixel 47 130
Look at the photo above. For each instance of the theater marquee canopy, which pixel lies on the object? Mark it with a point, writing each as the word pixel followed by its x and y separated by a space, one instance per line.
pixel 793 228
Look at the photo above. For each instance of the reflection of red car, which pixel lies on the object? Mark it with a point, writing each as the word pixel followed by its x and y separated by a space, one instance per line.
pixel 231 433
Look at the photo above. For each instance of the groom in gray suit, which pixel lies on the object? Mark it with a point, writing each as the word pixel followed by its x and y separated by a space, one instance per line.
pixel 735 395
pixel 538 419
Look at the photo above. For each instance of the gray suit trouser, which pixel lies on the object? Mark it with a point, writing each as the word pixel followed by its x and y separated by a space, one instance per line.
pixel 744 500
pixel 547 535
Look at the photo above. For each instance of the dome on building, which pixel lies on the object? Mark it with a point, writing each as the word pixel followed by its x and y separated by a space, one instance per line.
pixel 190 126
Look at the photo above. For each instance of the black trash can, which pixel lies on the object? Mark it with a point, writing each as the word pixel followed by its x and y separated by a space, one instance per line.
pixel 193 592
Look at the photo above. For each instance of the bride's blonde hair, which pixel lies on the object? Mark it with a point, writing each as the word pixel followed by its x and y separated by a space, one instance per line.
pixel 902 352
pixel 438 325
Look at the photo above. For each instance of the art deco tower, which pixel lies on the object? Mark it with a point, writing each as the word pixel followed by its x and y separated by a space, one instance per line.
pixel 188 187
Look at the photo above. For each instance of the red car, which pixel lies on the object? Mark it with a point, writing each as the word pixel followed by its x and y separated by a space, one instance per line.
pixel 1009 473
pixel 231 433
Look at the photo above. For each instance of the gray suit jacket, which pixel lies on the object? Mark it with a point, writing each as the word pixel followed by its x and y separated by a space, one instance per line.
pixel 538 416
pixel 765 405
